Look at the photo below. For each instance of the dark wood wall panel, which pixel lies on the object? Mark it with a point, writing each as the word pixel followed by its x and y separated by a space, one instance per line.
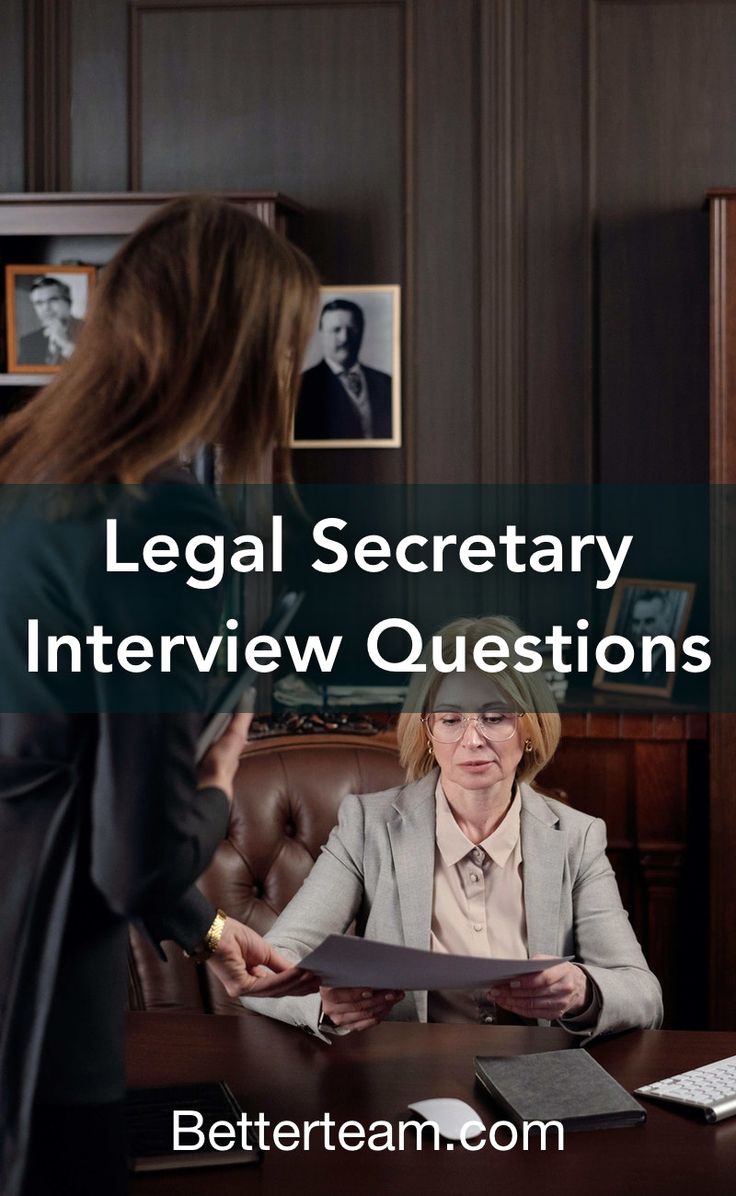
pixel 12 145
pixel 665 130
pixel 306 99
pixel 630 115
pixel 560 416
pixel 447 443
pixel 99 87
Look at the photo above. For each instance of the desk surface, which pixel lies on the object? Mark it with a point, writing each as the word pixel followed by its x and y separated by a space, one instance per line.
pixel 285 1074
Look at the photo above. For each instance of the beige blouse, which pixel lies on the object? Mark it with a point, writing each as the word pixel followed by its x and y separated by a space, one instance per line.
pixel 478 904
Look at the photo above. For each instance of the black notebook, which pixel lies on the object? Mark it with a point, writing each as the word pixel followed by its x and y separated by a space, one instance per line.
pixel 150 1125
pixel 565 1086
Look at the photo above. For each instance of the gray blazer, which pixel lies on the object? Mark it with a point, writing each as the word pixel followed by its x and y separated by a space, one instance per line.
pixel 377 869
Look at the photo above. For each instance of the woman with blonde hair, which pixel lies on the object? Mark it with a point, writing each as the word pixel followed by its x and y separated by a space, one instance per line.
pixel 194 338
pixel 468 858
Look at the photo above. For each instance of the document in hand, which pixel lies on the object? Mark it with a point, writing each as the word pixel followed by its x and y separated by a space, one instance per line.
pixel 347 962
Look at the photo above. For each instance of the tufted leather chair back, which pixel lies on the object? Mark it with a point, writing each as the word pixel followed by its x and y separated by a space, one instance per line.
pixel 286 797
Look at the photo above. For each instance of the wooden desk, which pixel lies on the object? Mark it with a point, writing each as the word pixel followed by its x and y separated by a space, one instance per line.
pixel 285 1074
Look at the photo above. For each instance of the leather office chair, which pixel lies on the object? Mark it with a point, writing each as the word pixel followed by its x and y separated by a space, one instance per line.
pixel 286 797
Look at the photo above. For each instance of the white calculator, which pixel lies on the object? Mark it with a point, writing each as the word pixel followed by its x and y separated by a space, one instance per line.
pixel 711 1089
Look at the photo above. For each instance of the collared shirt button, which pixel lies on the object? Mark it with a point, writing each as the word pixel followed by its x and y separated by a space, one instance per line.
pixel 477 856
pixel 477 926
pixel 474 877
pixel 488 1019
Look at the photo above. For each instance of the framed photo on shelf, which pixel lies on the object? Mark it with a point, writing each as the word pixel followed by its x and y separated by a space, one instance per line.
pixel 350 394
pixel 45 307
pixel 641 608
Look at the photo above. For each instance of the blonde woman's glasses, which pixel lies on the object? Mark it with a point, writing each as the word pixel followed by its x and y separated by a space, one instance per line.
pixel 446 726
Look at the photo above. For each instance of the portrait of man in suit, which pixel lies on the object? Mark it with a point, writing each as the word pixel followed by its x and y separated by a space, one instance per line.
pixel 342 398
pixel 53 342
pixel 653 617
pixel 45 314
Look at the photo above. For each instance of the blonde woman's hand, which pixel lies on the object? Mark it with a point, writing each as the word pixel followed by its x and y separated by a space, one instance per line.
pixel 562 991
pixel 358 1008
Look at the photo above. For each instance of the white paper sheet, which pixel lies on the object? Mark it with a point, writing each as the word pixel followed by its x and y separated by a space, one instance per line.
pixel 343 961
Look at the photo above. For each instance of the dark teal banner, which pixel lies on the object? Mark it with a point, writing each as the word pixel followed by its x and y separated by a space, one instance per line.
pixel 138 599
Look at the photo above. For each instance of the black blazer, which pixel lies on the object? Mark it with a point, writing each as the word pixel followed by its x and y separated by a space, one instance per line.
pixel 100 823
pixel 324 410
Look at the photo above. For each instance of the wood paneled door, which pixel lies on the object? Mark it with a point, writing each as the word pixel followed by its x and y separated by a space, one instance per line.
pixel 723 634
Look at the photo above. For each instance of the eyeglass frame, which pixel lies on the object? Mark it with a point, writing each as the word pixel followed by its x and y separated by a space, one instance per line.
pixel 467 719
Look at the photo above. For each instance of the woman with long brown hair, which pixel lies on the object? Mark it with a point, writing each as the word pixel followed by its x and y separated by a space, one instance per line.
pixel 193 338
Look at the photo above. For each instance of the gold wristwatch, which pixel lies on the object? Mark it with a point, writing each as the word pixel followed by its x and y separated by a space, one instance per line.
pixel 211 940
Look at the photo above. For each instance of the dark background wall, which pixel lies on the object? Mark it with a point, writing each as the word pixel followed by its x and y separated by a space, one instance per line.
pixel 531 172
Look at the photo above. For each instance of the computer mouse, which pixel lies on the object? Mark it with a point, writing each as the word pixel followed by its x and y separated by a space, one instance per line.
pixel 450 1116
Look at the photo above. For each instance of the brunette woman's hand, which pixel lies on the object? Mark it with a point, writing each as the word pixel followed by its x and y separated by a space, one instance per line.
pixel 218 767
pixel 245 963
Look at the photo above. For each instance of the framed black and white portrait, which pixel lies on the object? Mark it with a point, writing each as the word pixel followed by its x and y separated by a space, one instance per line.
pixel 350 395
pixel 653 617
pixel 45 307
